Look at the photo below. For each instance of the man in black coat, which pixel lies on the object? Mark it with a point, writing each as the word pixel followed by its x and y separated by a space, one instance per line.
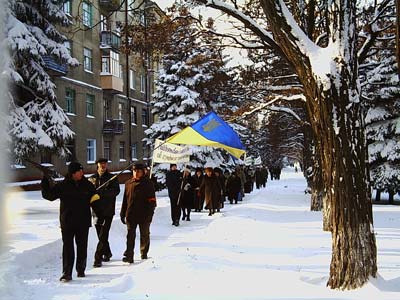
pixel 173 182
pixel 137 209
pixel 103 221
pixel 76 195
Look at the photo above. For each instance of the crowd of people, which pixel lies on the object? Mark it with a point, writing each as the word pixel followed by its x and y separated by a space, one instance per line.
pixel 209 188
pixel 82 199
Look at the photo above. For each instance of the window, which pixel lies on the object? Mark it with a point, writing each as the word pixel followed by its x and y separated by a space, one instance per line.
pixel 45 157
pixel 144 117
pixel 121 150
pixel 133 115
pixel 107 150
pixel 87 60
pixel 87 14
pixel 132 79
pixel 104 23
pixel 121 109
pixel 67 7
pixel 134 151
pixel 110 64
pixel 70 101
pixel 68 45
pixel 107 109
pixel 144 149
pixel 89 105
pixel 71 156
pixel 142 83
pixel 91 151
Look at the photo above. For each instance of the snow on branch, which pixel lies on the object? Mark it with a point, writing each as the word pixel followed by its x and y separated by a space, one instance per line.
pixel 248 22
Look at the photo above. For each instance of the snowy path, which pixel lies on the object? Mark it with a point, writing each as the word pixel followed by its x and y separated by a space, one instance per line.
pixel 270 246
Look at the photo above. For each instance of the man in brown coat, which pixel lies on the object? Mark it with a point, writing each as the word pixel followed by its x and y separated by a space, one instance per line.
pixel 137 209
pixel 211 190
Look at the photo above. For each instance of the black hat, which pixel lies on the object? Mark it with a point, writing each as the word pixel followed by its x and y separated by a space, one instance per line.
pixel 101 160
pixel 74 167
pixel 139 166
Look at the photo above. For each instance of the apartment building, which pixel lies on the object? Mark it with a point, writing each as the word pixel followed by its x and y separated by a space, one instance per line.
pixel 107 97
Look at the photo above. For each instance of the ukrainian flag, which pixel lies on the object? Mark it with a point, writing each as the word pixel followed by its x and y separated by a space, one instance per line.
pixel 212 131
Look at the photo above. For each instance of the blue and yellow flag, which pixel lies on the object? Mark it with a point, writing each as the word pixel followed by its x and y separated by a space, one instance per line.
pixel 212 131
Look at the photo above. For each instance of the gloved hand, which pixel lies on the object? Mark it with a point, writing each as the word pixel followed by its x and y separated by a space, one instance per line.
pixel 94 198
pixel 187 187
pixel 123 220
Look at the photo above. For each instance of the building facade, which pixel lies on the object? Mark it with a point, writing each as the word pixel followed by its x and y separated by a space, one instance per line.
pixel 107 97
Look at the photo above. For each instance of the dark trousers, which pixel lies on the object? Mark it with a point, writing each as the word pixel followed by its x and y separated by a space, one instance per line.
pixel 144 229
pixel 186 213
pixel 68 254
pixel 175 209
pixel 103 226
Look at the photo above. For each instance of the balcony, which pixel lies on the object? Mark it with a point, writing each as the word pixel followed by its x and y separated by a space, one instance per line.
pixel 54 68
pixel 110 76
pixel 109 4
pixel 110 39
pixel 111 83
pixel 113 127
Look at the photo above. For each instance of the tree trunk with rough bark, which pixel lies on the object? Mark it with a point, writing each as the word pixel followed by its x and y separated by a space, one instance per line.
pixel 333 103
pixel 336 120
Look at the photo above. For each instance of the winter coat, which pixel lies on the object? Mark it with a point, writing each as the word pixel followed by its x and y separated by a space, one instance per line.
pixel 211 190
pixel 173 182
pixel 139 201
pixel 233 186
pixel 74 201
pixel 187 193
pixel 107 194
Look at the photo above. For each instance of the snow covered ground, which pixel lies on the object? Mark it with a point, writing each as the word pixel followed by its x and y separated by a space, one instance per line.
pixel 270 246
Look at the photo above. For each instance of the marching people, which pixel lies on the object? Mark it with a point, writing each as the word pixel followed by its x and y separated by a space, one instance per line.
pixel 233 185
pixel 108 195
pixel 186 197
pixel 221 180
pixel 173 182
pixel 198 197
pixel 76 195
pixel 259 178
pixel 211 190
pixel 240 174
pixel 137 209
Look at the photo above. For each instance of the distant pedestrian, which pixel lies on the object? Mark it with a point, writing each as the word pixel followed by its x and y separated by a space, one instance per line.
pixel 211 190
pixel 233 188
pixel 221 180
pixel 198 198
pixel 76 195
pixel 137 209
pixel 108 194
pixel 173 182
pixel 186 197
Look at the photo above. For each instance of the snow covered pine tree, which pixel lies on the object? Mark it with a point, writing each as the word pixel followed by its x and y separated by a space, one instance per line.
pixel 179 100
pixel 36 121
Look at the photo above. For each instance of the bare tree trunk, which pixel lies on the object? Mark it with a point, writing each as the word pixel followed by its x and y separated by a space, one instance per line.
pixel 391 197
pixel 317 191
pixel 378 195
pixel 345 178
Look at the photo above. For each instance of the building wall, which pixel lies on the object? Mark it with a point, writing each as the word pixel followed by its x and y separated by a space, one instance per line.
pixel 82 83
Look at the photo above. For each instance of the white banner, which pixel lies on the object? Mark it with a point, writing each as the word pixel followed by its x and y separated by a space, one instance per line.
pixel 258 161
pixel 170 153
pixel 248 161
